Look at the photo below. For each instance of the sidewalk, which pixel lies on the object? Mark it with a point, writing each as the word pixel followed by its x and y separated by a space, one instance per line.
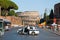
pixel 55 32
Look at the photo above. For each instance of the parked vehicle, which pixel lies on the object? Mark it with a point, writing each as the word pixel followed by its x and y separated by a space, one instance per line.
pixel 31 31
pixel 6 28
pixel 1 27
pixel 3 23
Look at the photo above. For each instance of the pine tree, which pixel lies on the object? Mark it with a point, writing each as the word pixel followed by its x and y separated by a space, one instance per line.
pixel 51 16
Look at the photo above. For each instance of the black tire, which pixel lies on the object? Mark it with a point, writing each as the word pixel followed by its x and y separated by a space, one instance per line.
pixel 33 33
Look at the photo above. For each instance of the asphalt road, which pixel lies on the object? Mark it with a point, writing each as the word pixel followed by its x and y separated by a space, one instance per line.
pixel 44 35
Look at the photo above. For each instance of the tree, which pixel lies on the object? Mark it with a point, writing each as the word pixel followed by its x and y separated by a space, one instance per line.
pixel 41 21
pixel 44 16
pixel 47 17
pixel 6 5
pixel 12 13
pixel 51 16
pixel 16 15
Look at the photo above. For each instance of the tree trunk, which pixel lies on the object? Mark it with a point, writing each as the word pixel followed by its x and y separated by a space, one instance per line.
pixel 6 13
pixel 0 10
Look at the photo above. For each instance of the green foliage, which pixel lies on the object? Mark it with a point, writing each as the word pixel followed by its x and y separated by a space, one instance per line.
pixel 12 13
pixel 12 5
pixel 45 16
pixel 51 16
pixel 41 21
pixel 3 13
pixel 49 22
pixel 16 15
pixel 6 5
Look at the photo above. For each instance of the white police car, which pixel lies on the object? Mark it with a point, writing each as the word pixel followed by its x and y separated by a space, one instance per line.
pixel 31 31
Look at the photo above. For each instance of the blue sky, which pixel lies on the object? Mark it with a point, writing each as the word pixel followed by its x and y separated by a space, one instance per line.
pixel 35 5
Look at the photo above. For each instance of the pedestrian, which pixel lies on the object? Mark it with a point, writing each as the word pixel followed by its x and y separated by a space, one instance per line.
pixel 58 27
pixel 55 28
pixel 28 28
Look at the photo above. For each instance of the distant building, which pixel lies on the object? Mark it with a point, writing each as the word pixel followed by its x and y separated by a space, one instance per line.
pixel 29 17
pixel 57 12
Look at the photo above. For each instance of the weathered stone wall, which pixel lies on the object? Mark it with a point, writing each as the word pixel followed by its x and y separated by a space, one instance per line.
pixel 14 20
pixel 29 17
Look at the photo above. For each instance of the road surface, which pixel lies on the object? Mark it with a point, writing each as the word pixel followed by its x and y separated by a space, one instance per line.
pixel 44 35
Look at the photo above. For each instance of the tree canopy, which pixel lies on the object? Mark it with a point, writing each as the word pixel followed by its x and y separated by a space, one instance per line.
pixel 12 13
pixel 51 16
pixel 7 4
pixel 45 15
